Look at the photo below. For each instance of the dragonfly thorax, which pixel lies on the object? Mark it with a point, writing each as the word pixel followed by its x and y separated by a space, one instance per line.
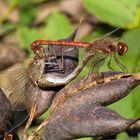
pixel 104 46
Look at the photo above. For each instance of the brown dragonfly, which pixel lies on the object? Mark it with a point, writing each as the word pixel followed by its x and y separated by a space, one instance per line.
pixel 99 50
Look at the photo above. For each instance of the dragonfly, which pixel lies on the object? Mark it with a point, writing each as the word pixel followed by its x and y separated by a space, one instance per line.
pixel 98 50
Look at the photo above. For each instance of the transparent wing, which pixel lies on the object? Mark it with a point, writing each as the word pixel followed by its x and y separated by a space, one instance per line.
pixel 19 117
pixel 13 85
pixel 96 62
pixel 107 35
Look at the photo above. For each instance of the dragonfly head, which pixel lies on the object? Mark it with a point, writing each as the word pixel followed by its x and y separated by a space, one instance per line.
pixel 39 51
pixel 122 48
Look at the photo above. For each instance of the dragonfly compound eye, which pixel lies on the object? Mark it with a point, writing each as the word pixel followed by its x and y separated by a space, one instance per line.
pixel 122 48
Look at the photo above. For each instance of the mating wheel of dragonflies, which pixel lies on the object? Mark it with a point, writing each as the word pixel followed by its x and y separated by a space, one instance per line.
pixel 99 50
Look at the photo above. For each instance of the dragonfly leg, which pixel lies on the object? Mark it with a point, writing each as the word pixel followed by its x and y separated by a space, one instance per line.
pixel 92 69
pixel 99 61
pixel 111 69
pixel 52 61
pixel 61 67
pixel 109 65
pixel 123 68
pixel 51 53
pixel 54 58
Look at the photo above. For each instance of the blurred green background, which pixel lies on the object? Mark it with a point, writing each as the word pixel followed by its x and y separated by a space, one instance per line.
pixel 24 21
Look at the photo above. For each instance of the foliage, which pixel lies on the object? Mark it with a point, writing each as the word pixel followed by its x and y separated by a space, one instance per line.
pixel 120 13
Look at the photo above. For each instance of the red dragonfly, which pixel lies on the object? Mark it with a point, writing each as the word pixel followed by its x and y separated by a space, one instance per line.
pixel 103 46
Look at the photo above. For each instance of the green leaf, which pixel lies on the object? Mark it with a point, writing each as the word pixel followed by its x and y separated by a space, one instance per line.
pixel 27 15
pixel 27 12
pixel 28 35
pixel 133 62
pixel 58 26
pixel 124 107
pixel 119 13
pixel 136 101
pixel 123 136
pixel 132 59
pixel 38 1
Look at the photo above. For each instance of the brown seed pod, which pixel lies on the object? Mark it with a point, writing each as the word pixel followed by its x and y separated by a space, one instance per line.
pixel 42 97
pixel 39 99
pixel 78 109
pixel 104 90
pixel 9 120
pixel 5 113
pixel 85 120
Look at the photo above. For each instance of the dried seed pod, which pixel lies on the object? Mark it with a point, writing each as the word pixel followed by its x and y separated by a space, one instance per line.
pixel 10 55
pixel 104 90
pixel 5 113
pixel 6 116
pixel 85 120
pixel 77 110
pixel 42 97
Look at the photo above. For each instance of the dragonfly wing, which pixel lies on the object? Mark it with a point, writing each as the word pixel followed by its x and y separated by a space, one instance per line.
pixel 13 85
pixel 96 62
